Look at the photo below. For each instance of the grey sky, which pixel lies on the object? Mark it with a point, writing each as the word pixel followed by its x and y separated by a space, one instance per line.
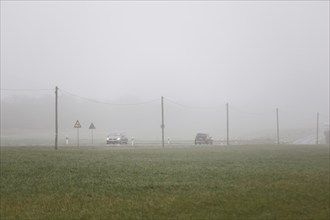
pixel 254 55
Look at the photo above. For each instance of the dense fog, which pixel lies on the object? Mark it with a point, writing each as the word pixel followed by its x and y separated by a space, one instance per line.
pixel 113 61
pixel 35 117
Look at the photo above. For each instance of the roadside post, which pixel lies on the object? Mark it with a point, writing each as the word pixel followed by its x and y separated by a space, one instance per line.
pixel 92 127
pixel 77 125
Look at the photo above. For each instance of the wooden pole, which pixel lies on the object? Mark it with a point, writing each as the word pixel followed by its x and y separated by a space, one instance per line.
pixel 227 124
pixel 56 118
pixel 317 128
pixel 278 127
pixel 163 126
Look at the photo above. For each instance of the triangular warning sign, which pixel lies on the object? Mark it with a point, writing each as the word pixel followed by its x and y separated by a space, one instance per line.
pixel 92 126
pixel 77 125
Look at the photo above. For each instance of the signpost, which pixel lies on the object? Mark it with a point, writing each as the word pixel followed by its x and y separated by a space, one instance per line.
pixel 92 127
pixel 77 125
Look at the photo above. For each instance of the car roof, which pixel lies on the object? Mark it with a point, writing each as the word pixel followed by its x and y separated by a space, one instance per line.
pixel 116 134
pixel 202 134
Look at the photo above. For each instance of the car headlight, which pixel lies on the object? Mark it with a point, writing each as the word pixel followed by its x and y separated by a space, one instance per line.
pixel 107 138
pixel 118 139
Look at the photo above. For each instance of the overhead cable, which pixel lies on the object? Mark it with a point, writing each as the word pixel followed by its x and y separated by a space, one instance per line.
pixel 193 107
pixel 108 103
pixel 237 109
pixel 26 90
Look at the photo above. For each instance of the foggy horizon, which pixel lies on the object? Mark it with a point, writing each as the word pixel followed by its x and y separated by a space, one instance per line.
pixel 35 115
pixel 256 56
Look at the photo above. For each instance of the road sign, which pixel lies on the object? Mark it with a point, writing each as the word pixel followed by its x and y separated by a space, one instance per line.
pixel 77 125
pixel 92 126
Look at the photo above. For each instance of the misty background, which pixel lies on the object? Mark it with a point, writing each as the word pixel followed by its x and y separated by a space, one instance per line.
pixel 112 62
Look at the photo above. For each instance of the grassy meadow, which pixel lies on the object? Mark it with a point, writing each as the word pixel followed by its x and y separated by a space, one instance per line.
pixel 197 182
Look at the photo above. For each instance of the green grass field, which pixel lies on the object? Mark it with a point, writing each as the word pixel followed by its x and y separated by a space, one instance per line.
pixel 218 182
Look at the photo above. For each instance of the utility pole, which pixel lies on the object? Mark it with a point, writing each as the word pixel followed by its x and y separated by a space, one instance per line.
pixel 162 125
pixel 317 128
pixel 227 124
pixel 56 119
pixel 278 128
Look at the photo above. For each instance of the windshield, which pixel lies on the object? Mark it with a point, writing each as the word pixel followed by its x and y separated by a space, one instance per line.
pixel 115 135
pixel 201 135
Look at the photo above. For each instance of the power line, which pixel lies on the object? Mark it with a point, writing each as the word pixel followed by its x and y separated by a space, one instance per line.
pixel 108 103
pixel 192 107
pixel 164 0
pixel 26 90
pixel 237 109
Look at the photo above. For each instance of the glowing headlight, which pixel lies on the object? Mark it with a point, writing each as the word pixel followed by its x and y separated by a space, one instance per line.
pixel 118 139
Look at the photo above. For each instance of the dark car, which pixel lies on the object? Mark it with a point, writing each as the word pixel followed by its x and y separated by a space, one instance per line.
pixel 203 138
pixel 117 139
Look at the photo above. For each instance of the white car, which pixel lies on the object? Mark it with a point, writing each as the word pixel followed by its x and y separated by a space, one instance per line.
pixel 117 139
